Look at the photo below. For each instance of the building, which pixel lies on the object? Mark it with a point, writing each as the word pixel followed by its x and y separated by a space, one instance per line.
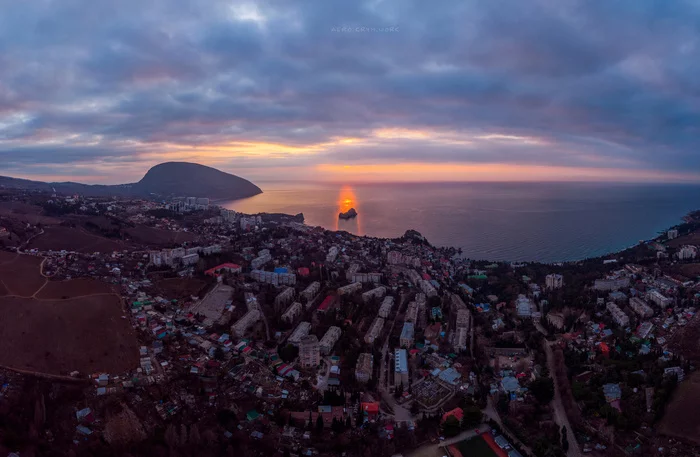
pixel 463 318
pixel 660 299
pixel 284 298
pixel 190 259
pixel 609 284
pixel 394 258
pixel 352 269
pixel 244 323
pixel 461 338
pixel 374 278
pixel 331 337
pixel 374 330
pixel 260 261
pixel 407 335
pixel 618 315
pixel 412 312
pixel 292 313
pixel 332 254
pixel 228 267
pixel 523 305
pixel 687 252
pixel 377 292
pixel 640 307
pixel 385 309
pixel 644 329
pixel 401 368
pixel 671 234
pixel 300 332
pixel 311 291
pixel 427 288
pixel 276 279
pixel 350 288
pixel 554 281
pixel 309 354
pixel 364 367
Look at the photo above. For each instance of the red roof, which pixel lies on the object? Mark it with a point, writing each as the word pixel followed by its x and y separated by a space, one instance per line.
pixel 212 271
pixel 426 276
pixel 303 271
pixel 370 408
pixel 457 413
pixel 326 303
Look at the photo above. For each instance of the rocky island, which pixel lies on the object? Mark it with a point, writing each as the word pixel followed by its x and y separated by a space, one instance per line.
pixel 349 214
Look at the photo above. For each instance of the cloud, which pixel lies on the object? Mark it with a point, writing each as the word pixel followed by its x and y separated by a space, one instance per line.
pixel 274 87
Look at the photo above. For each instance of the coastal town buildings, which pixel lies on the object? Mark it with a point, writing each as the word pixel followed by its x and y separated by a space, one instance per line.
pixel 364 367
pixel 554 281
pixel 309 352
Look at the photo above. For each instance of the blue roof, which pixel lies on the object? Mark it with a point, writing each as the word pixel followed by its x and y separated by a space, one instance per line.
pixel 408 330
pixel 400 361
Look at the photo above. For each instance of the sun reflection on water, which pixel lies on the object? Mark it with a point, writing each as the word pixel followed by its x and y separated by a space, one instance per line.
pixel 346 200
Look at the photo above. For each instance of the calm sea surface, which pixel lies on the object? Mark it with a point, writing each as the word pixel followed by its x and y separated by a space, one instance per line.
pixel 545 222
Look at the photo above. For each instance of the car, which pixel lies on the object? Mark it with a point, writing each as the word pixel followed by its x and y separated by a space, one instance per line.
pixel 442 438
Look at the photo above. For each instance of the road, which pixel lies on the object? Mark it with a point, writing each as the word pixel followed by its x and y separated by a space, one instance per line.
pixel 491 413
pixel 384 368
pixel 430 450
pixel 560 416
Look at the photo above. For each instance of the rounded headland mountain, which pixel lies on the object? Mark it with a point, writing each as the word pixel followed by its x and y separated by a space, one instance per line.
pixel 169 179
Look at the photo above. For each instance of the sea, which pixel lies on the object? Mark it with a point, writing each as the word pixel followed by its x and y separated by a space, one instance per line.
pixel 544 222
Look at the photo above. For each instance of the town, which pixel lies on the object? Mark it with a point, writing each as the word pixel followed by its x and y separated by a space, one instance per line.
pixel 134 327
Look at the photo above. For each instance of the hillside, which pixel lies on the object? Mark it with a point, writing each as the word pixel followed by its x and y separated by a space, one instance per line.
pixel 170 179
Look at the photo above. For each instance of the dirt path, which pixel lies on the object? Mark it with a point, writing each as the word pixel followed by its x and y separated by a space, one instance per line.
pixel 560 416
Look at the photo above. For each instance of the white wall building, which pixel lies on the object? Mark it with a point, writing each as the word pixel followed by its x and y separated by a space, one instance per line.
pixel 350 288
pixel 660 299
pixel 374 330
pixel 554 281
pixel 618 315
pixel 300 332
pixel 309 353
pixel 331 337
pixel 377 292
pixel 385 309
pixel 244 323
pixel 364 367
pixel 640 307
pixel 687 252
pixel 291 314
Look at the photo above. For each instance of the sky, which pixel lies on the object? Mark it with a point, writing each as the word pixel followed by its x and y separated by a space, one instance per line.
pixel 542 90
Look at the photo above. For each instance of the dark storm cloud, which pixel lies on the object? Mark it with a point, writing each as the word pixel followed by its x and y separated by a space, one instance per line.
pixel 598 83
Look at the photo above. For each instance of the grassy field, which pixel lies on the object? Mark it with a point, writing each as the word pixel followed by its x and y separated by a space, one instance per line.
pixel 681 419
pixel 475 447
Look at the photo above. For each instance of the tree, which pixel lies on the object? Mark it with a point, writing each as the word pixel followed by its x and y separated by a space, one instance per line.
pixel 543 390
pixel 319 424
pixel 288 353
pixel 219 353
pixel 451 426
pixel 348 422
pixel 471 417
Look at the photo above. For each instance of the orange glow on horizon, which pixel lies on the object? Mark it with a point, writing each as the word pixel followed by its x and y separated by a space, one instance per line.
pixel 346 200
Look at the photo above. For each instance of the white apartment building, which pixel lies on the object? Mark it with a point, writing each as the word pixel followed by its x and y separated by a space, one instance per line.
pixel 671 234
pixel 374 330
pixel 331 337
pixel 190 259
pixel 660 299
pixel 687 252
pixel 309 353
pixel 412 312
pixel 373 278
pixel 377 292
pixel 300 332
pixel 523 306
pixel 260 261
pixel 407 335
pixel 332 254
pixel 244 323
pixel 285 297
pixel 364 367
pixel 311 290
pixel 461 335
pixel 427 288
pixel 291 314
pixel 385 309
pixel 401 368
pixel 276 279
pixel 640 307
pixel 618 315
pixel 611 284
pixel 553 281
pixel 350 288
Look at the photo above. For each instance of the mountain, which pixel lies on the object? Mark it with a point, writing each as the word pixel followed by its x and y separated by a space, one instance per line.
pixel 170 179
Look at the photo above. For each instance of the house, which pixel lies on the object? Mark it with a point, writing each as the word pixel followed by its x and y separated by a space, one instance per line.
pixel 457 413
pixel 370 410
